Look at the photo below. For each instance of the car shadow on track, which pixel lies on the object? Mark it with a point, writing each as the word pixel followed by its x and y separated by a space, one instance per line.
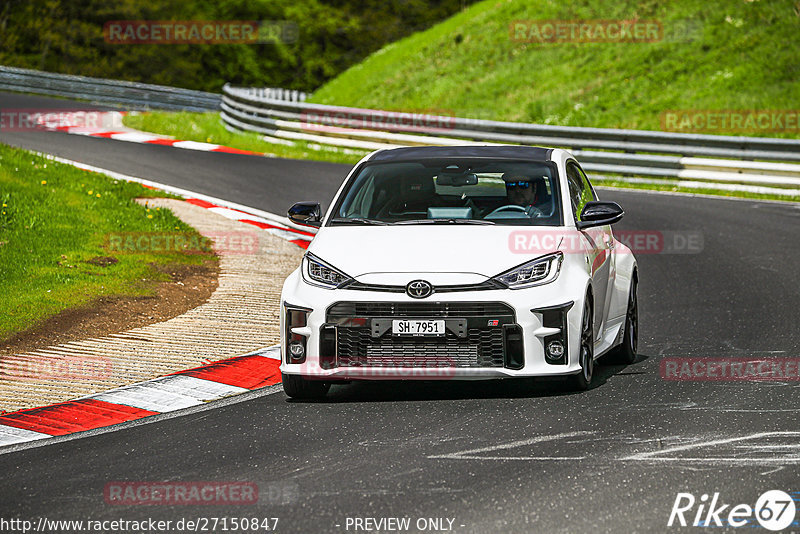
pixel 421 390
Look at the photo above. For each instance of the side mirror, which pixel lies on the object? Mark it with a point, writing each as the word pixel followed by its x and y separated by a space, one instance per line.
pixel 306 213
pixel 598 213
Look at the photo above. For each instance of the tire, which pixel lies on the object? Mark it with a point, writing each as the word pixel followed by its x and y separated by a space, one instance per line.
pixel 582 380
pixel 625 352
pixel 298 387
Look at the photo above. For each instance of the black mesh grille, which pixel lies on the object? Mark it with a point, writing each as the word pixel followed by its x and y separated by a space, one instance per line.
pixel 481 348
pixel 418 309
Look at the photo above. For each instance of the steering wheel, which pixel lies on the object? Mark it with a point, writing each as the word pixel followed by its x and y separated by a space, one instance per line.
pixel 514 207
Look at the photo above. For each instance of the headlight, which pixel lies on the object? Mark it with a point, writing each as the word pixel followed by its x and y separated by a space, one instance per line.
pixel 533 273
pixel 317 272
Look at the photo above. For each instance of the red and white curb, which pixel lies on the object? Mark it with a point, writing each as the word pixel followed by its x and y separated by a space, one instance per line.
pixel 177 391
pixel 151 139
pixel 300 238
pixel 108 125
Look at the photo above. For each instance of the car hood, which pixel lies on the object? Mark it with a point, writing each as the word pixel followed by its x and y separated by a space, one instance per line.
pixel 465 253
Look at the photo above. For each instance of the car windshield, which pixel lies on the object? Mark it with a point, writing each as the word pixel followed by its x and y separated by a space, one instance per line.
pixel 480 192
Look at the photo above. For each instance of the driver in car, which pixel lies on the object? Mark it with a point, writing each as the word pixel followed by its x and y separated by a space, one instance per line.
pixel 526 192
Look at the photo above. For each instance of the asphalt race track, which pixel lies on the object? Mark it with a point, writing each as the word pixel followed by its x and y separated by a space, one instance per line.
pixel 500 456
pixel 242 179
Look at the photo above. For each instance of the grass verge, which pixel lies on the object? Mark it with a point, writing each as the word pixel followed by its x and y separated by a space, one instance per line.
pixel 55 224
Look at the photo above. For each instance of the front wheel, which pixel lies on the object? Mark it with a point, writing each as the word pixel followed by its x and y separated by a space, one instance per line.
pixel 298 387
pixel 582 380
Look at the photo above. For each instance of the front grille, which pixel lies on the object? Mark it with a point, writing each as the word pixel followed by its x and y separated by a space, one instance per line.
pixel 417 309
pixel 479 342
pixel 481 348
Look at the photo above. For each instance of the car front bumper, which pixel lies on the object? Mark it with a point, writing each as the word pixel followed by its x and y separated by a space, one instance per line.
pixel 495 333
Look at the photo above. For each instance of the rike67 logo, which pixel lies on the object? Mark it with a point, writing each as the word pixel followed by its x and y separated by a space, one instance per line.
pixel 774 510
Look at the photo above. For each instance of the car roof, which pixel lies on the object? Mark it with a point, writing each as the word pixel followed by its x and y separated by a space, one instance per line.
pixel 515 152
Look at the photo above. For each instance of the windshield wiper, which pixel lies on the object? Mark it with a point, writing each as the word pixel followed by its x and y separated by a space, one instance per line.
pixel 471 221
pixel 358 220
pixel 446 221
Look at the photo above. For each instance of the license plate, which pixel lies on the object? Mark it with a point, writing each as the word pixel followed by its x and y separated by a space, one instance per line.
pixel 418 327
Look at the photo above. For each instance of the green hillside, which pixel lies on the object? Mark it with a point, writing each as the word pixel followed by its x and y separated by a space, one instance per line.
pixel 322 38
pixel 710 54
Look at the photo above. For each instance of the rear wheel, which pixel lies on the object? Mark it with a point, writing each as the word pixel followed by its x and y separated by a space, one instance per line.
pixel 298 387
pixel 583 379
pixel 625 353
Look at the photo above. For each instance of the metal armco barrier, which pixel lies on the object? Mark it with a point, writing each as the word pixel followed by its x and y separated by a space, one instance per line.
pixel 131 95
pixel 751 161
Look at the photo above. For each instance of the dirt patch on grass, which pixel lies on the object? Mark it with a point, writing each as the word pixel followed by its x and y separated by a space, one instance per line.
pixel 102 261
pixel 189 286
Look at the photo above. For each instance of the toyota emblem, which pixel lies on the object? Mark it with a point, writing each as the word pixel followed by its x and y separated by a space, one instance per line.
pixel 419 289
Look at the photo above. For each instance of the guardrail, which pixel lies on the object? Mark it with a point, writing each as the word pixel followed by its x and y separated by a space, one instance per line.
pixel 273 93
pixel 760 164
pixel 132 95
pixel 714 161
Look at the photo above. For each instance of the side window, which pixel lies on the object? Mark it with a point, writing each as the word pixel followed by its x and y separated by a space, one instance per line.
pixel 576 188
pixel 587 186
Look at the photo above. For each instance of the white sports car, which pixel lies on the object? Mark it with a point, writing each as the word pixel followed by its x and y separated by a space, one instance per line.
pixel 467 262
